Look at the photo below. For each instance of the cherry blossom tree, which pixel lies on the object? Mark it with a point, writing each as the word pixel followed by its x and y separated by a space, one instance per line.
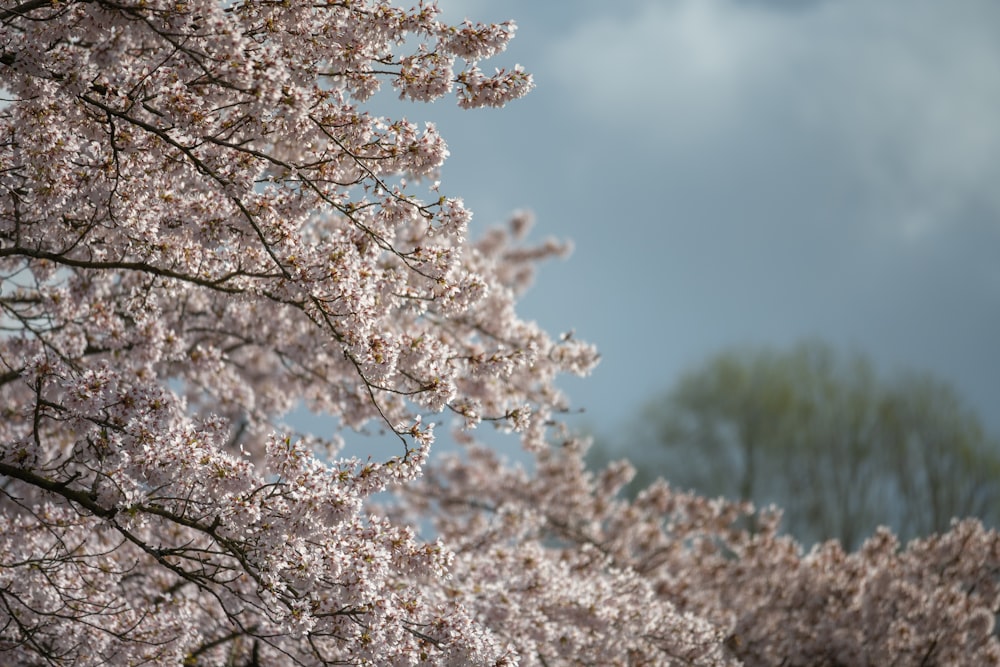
pixel 201 228
pixel 682 581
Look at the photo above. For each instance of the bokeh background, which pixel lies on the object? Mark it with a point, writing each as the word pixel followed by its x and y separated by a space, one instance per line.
pixel 749 171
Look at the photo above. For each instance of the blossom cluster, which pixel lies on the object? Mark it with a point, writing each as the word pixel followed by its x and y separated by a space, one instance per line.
pixel 577 574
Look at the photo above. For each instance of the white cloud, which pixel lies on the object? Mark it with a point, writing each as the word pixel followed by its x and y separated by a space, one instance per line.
pixel 674 68
pixel 478 11
pixel 905 92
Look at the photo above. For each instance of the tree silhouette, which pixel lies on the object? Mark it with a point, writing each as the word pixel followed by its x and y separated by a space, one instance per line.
pixel 841 450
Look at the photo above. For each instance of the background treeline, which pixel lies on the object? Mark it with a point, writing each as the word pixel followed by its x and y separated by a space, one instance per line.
pixel 840 448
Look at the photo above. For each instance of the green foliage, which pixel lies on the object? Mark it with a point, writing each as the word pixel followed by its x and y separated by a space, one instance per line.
pixel 820 434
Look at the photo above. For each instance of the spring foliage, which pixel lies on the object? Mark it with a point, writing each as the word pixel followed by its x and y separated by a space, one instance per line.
pixel 840 447
pixel 201 226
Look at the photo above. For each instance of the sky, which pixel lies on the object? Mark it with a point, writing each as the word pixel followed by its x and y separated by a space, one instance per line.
pixel 749 172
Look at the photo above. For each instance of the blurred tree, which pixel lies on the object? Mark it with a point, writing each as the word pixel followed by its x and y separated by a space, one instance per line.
pixel 821 435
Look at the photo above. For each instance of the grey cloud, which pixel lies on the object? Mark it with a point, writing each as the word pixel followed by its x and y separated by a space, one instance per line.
pixel 906 99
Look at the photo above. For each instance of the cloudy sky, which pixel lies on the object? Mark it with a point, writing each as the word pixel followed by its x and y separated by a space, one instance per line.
pixel 750 171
